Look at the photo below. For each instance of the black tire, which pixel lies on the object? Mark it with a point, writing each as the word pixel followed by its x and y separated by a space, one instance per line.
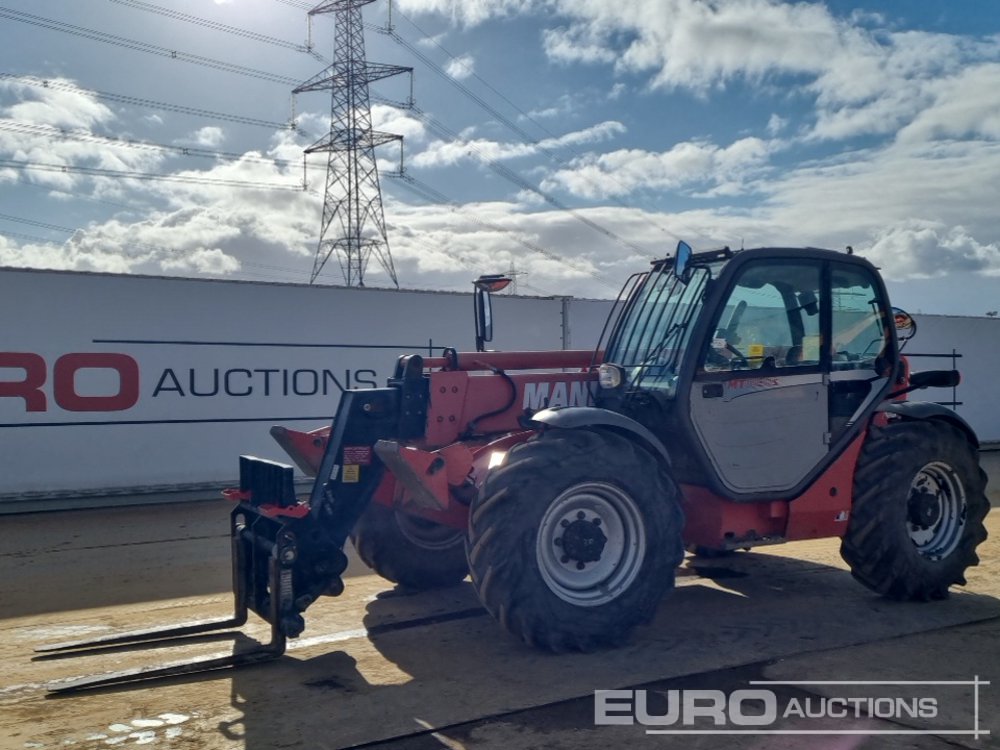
pixel 919 505
pixel 526 504
pixel 410 551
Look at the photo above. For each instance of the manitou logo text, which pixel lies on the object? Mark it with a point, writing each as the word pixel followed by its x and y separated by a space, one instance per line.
pixel 544 395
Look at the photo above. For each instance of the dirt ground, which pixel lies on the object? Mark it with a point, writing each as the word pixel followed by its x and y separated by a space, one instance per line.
pixel 381 667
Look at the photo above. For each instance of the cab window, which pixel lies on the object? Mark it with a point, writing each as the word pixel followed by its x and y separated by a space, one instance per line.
pixel 859 333
pixel 770 321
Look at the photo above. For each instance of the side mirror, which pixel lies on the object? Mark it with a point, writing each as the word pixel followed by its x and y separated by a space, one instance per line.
pixel 906 326
pixel 483 306
pixel 681 260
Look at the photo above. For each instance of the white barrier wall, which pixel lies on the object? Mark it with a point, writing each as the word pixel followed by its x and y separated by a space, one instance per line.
pixel 977 340
pixel 110 381
pixel 129 383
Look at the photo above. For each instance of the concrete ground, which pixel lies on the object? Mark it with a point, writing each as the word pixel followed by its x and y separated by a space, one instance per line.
pixel 381 667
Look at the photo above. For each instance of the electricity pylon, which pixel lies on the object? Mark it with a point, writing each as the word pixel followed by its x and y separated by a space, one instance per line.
pixel 353 223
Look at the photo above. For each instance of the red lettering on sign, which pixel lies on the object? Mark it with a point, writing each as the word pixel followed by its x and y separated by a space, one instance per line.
pixel 30 388
pixel 64 382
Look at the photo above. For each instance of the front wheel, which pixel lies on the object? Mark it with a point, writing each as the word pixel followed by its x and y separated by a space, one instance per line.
pixel 408 550
pixel 919 505
pixel 575 540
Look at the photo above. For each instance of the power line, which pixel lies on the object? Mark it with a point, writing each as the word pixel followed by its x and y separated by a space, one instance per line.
pixel 461 87
pixel 21 236
pixel 428 193
pixel 152 49
pixel 297 4
pixel 40 224
pixel 50 131
pixel 50 189
pixel 501 170
pixel 216 26
pixel 511 176
pixel 150 103
pixel 506 121
pixel 125 174
pixel 225 28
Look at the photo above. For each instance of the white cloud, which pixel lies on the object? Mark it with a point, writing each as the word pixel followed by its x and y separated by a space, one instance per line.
pixel 923 249
pixel 579 43
pixel 461 68
pixel 52 128
pixel 65 107
pixel 865 78
pixel 775 124
pixel 689 163
pixel 445 153
pixel 919 201
pixel 966 104
pixel 203 261
pixel 468 13
pixel 209 136
pixel 394 120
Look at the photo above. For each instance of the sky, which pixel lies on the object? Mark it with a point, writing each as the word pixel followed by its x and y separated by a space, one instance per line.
pixel 570 141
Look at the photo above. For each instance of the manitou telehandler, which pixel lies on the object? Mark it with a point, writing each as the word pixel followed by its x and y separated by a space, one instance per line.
pixel 736 399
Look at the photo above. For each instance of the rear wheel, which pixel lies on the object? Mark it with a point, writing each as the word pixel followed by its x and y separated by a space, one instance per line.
pixel 575 540
pixel 409 550
pixel 919 505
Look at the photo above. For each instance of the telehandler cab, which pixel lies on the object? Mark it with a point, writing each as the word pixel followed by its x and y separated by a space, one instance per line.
pixel 735 399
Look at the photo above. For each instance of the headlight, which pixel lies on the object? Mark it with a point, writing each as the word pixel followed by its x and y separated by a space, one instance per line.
pixel 609 376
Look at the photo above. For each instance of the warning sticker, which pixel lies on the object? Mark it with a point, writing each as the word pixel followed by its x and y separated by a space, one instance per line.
pixel 351 474
pixel 358 454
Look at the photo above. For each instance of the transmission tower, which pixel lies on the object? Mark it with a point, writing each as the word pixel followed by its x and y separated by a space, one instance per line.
pixel 353 224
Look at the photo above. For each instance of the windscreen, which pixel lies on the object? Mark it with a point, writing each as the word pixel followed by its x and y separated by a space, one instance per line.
pixel 651 333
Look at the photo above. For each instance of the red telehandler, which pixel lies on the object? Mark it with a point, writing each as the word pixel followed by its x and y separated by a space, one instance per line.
pixel 735 399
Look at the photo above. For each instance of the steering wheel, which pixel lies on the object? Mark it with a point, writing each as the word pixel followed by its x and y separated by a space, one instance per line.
pixel 740 359
pixel 716 358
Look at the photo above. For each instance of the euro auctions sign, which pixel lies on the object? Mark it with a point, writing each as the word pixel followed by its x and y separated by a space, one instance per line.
pixel 30 374
pixel 121 383
pixel 802 707
pixel 113 382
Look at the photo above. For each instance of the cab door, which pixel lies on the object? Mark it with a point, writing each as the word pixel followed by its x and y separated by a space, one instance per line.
pixel 759 403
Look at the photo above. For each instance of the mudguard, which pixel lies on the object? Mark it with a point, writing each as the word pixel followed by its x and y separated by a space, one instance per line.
pixel 929 410
pixel 576 417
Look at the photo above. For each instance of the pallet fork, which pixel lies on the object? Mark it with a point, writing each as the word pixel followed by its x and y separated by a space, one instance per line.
pixel 251 559
pixel 286 552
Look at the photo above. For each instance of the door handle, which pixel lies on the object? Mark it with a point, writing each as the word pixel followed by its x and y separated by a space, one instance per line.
pixel 711 390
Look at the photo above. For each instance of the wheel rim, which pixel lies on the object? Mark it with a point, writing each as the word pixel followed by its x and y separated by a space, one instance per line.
pixel 591 543
pixel 427 534
pixel 936 508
